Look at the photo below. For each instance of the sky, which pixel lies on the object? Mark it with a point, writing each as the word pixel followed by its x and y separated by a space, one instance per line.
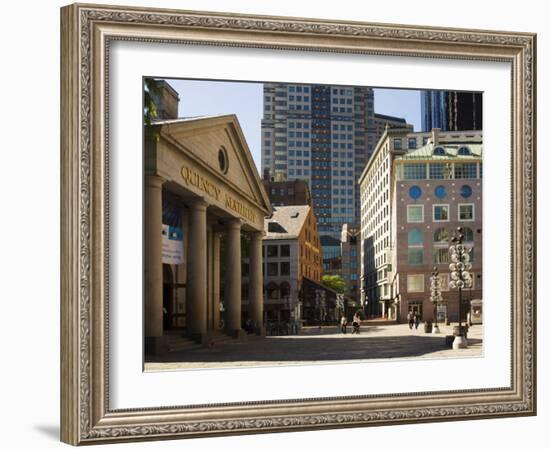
pixel 199 97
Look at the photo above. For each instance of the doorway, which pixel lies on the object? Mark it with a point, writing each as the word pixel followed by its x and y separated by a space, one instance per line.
pixel 173 300
pixel 416 308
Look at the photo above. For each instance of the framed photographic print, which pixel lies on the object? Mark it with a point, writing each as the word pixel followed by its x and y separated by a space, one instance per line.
pixel 284 224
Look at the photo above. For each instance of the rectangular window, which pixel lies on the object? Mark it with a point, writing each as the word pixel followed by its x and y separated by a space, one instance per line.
pixel 285 250
pixel 466 212
pixel 244 270
pixel 414 171
pixel 415 213
pixel 272 269
pixel 440 171
pixel 441 255
pixel 272 251
pixel 416 256
pixel 465 171
pixel 444 282
pixel 285 268
pixel 440 212
pixel 415 283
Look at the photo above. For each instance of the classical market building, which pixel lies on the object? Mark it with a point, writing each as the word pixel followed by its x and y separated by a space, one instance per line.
pixel 200 186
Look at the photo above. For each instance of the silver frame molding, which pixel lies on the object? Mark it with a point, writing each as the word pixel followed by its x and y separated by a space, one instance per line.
pixel 86 32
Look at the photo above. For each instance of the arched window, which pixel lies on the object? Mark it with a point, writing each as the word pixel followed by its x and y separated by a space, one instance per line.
pixel 441 235
pixel 468 235
pixel 439 151
pixel 415 237
pixel 464 151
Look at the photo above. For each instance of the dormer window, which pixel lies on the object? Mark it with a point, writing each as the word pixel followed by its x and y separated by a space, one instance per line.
pixel 439 151
pixel 273 226
pixel 464 151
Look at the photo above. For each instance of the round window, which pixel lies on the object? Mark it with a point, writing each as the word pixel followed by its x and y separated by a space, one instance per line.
pixel 415 192
pixel 465 191
pixel 440 192
pixel 223 161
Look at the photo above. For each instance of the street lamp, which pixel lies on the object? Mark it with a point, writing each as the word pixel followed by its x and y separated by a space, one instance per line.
pixel 435 296
pixel 460 278
pixel 340 303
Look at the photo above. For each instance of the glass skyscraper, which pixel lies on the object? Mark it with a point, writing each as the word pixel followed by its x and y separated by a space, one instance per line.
pixel 323 134
pixel 451 110
pixel 433 110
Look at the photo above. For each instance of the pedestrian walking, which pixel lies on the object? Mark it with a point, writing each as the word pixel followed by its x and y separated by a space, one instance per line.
pixel 344 324
pixel 356 323
pixel 410 319
pixel 416 321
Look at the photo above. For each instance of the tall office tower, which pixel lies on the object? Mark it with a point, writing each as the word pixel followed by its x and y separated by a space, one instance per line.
pixel 324 135
pixel 382 121
pixel 464 111
pixel 451 110
pixel 433 108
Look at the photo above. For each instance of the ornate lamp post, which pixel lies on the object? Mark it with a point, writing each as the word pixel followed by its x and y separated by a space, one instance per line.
pixel 435 296
pixel 460 278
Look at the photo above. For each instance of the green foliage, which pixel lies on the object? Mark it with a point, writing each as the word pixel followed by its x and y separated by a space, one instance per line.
pixel 335 282
pixel 150 91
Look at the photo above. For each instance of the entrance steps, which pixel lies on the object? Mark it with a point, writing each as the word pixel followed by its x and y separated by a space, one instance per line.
pixel 178 341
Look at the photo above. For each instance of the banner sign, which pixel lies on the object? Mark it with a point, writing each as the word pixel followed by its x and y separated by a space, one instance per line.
pixel 172 245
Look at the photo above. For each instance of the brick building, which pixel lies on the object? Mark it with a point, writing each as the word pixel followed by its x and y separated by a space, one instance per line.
pixel 293 192
pixel 416 190
pixel 291 251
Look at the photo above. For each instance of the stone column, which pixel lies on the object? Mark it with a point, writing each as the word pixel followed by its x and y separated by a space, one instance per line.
pixel 153 262
pixel 216 279
pixel 196 271
pixel 233 292
pixel 181 269
pixel 255 288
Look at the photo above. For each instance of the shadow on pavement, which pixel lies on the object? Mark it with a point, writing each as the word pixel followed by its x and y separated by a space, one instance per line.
pixel 304 348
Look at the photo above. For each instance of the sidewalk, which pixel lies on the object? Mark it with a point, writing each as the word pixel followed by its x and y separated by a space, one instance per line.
pixel 326 344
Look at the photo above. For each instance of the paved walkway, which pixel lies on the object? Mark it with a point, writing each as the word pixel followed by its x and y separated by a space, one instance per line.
pixel 328 344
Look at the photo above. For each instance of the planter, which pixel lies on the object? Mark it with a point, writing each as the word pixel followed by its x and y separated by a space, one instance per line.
pixel 428 327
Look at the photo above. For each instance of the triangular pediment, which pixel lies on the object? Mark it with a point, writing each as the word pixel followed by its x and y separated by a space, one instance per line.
pixel 218 144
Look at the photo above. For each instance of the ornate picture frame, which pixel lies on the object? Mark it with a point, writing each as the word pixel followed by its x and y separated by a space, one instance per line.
pixel 87 32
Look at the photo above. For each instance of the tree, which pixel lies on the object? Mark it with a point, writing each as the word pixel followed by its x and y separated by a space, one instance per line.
pixel 150 92
pixel 335 282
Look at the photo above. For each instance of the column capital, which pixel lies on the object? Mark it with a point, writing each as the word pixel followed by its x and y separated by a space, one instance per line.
pixel 198 204
pixel 234 223
pixel 154 181
pixel 256 235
